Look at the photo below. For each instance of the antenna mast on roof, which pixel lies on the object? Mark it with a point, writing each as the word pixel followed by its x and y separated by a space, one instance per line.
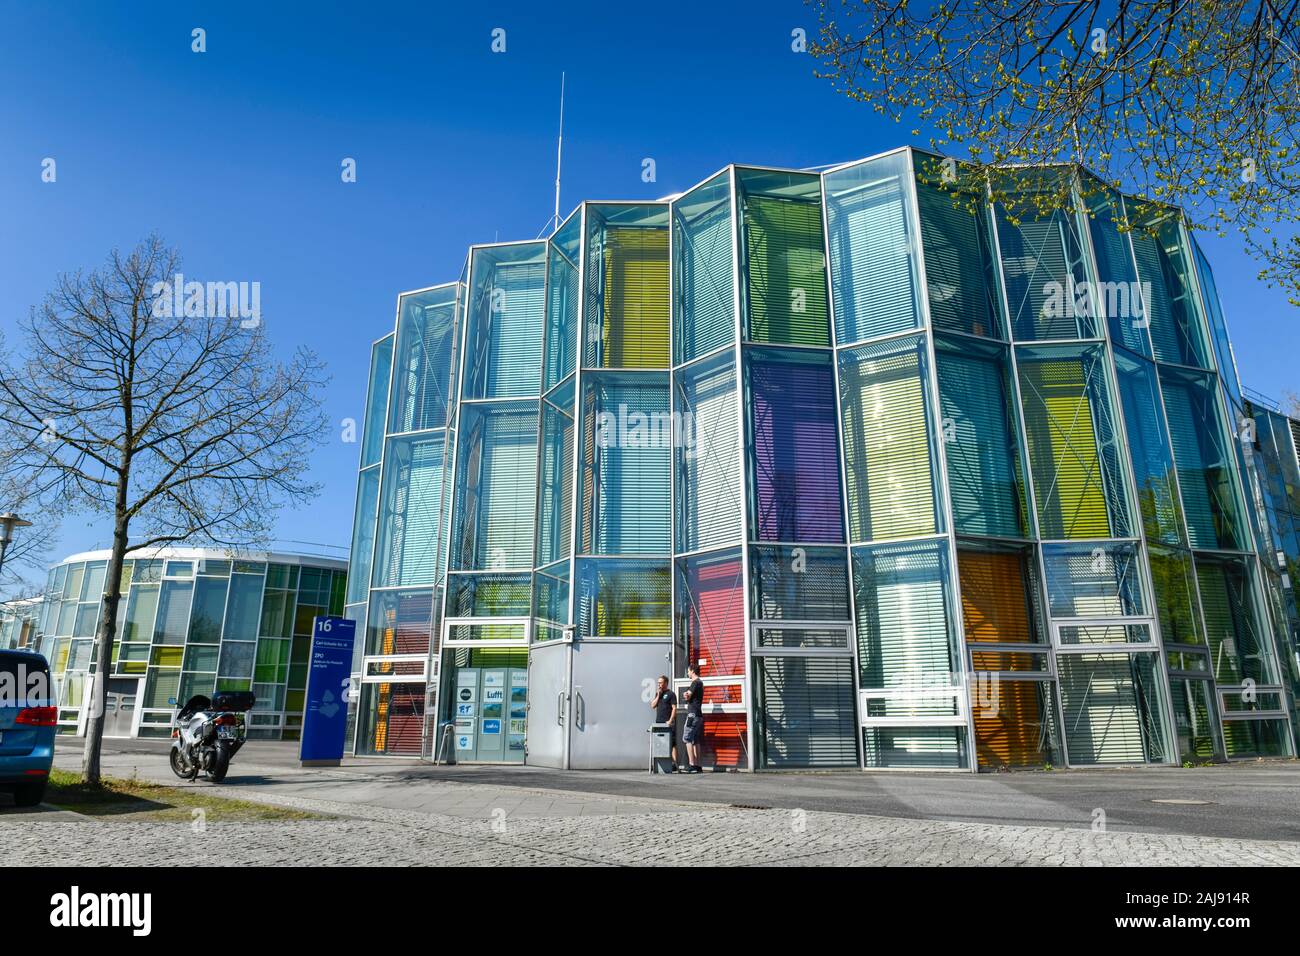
pixel 559 154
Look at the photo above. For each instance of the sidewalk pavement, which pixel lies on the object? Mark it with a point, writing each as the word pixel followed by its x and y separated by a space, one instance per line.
pixel 389 813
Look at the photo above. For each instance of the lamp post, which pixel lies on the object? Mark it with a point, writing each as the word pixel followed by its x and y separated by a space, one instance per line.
pixel 9 521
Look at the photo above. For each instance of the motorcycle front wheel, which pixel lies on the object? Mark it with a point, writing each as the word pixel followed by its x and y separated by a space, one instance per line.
pixel 220 762
pixel 178 766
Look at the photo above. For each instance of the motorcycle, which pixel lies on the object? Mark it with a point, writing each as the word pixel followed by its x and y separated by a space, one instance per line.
pixel 206 734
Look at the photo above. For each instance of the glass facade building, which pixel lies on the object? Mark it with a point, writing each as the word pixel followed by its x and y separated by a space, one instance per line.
pixel 20 624
pixel 916 478
pixel 190 621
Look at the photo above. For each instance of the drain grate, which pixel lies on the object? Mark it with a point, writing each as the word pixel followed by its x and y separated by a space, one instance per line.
pixel 749 806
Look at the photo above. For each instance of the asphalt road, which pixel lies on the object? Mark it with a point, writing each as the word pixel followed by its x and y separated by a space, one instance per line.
pixel 1257 800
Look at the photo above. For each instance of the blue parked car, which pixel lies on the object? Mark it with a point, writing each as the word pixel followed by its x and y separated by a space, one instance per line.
pixel 27 724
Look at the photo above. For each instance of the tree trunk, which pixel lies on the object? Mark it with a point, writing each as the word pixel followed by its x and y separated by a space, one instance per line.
pixel 104 653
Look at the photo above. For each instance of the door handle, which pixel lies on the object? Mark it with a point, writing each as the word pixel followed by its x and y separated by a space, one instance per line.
pixel 559 709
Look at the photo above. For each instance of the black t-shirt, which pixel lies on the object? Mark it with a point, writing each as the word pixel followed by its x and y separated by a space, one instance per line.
pixel 664 706
pixel 696 705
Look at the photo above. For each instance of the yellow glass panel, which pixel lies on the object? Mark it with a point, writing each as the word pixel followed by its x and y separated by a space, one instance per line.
pixel 1062 441
pixel 168 656
pixel 636 298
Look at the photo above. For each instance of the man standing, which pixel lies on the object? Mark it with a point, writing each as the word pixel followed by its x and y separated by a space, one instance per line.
pixel 665 707
pixel 694 732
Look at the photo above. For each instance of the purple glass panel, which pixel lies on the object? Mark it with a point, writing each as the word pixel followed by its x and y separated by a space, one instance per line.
pixel 795 456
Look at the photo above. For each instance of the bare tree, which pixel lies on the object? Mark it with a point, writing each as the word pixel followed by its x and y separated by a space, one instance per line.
pixel 1184 102
pixel 181 428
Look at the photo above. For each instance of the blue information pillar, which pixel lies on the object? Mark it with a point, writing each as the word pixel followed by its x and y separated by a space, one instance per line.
pixel 325 721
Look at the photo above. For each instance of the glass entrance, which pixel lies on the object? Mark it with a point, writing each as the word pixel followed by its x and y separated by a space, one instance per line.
pixel 488 694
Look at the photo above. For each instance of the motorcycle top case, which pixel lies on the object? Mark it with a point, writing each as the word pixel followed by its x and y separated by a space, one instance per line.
pixel 195 704
pixel 233 700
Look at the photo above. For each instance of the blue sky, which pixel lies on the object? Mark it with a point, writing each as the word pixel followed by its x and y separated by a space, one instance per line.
pixel 233 155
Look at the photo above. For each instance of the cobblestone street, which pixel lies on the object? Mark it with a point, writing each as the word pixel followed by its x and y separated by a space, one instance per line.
pixel 465 823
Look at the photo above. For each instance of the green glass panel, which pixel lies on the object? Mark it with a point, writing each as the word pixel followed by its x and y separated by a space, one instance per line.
pixel 785 271
pixel 1239 648
pixel 1174 581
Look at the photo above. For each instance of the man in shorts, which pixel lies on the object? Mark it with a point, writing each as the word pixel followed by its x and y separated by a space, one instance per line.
pixel 693 735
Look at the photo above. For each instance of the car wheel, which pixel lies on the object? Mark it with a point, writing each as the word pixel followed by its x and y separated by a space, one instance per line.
pixel 29 794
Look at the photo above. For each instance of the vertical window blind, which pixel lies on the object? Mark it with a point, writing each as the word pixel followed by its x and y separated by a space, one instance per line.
pixel 1039 256
pixel 795 463
pixel 887 441
pixel 995 602
pixel 1114 265
pixel 786 272
pixel 805 715
pixel 1174 325
pixel 1021 730
pixel 505 337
